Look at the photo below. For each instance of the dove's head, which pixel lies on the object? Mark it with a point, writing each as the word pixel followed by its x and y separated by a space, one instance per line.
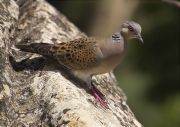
pixel 130 30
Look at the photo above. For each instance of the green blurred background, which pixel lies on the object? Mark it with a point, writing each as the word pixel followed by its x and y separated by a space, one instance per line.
pixel 149 72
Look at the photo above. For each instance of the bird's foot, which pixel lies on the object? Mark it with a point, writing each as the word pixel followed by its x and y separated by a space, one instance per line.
pixel 98 92
pixel 99 97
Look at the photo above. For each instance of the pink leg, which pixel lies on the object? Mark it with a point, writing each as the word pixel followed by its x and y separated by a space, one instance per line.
pixel 99 97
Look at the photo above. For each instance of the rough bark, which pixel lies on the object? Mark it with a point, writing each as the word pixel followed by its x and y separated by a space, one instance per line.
pixel 33 92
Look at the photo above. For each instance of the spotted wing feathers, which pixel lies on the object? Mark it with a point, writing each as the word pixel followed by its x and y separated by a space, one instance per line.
pixel 77 54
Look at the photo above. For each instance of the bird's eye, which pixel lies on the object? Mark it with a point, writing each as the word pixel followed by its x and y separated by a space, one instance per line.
pixel 130 28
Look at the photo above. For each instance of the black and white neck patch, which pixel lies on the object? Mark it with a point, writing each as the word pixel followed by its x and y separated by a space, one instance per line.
pixel 116 37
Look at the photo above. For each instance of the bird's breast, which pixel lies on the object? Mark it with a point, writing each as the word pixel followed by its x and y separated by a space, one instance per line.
pixel 106 65
pixel 112 55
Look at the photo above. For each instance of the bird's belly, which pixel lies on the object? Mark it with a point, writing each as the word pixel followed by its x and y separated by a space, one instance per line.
pixel 105 66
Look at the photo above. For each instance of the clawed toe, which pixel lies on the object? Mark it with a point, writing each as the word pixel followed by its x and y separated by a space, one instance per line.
pixel 99 97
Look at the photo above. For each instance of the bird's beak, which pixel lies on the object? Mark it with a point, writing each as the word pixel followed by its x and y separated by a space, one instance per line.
pixel 139 38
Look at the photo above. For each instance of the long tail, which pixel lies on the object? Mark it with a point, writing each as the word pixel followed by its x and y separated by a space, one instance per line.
pixel 40 48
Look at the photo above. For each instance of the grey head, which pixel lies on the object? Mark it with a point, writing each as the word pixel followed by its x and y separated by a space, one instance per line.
pixel 130 30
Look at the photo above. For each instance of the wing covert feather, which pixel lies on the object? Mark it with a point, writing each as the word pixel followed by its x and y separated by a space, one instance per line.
pixel 77 54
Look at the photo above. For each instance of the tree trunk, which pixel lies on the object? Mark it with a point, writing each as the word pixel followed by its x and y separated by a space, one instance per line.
pixel 33 92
